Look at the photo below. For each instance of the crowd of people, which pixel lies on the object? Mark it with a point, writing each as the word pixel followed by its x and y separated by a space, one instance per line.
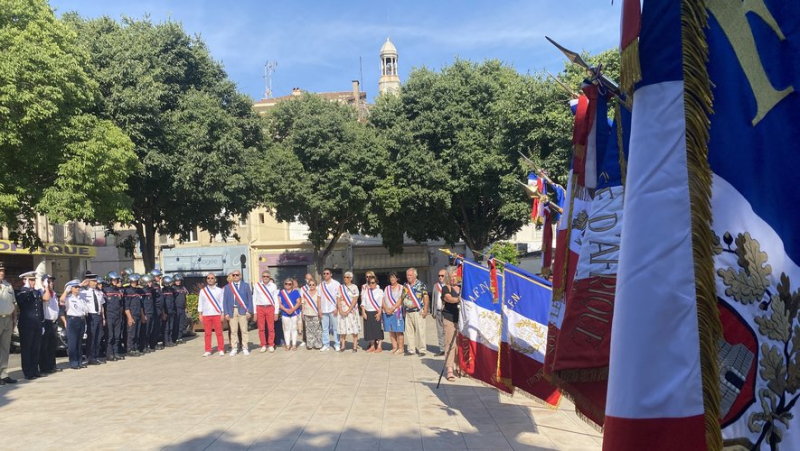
pixel 128 314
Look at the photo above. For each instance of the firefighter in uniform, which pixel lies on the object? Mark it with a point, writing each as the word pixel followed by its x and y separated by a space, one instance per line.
pixel 133 313
pixel 115 309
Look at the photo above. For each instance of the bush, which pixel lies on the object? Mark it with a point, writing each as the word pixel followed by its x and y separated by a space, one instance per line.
pixel 191 306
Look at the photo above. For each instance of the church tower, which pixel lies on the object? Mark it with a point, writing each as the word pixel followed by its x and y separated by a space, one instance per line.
pixel 390 80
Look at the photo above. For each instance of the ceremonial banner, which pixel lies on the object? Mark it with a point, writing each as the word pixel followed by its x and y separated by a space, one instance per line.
pixel 706 336
pixel 526 306
pixel 479 327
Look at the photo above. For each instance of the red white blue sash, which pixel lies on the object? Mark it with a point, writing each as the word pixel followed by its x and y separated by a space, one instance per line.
pixel 345 296
pixel 266 293
pixel 285 295
pixel 213 300
pixel 372 300
pixel 439 286
pixel 414 298
pixel 330 297
pixel 393 300
pixel 307 295
pixel 237 296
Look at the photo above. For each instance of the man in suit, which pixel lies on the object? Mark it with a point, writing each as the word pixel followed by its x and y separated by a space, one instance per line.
pixel 238 305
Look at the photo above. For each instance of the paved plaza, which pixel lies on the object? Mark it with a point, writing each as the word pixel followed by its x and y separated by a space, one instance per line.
pixel 175 399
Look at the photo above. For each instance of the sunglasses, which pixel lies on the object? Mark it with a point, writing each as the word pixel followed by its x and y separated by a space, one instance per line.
pixel 441 275
pixel 326 274
pixel 236 275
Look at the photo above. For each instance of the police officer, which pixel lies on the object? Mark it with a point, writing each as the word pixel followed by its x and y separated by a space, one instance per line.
pixel 125 283
pixel 94 319
pixel 181 316
pixel 31 321
pixel 47 353
pixel 148 316
pixel 133 313
pixel 169 312
pixel 76 310
pixel 159 317
pixel 114 311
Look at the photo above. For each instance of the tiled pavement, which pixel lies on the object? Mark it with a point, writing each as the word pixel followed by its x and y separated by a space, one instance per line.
pixel 175 399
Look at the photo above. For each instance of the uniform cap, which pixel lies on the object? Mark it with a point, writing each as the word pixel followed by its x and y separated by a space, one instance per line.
pixel 72 283
pixel 28 275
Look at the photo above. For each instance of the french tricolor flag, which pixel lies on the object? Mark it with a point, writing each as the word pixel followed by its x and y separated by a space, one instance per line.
pixel 705 346
pixel 480 327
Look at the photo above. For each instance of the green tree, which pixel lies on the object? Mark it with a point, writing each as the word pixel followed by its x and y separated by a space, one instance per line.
pixel 325 168
pixel 194 133
pixel 55 154
pixel 455 167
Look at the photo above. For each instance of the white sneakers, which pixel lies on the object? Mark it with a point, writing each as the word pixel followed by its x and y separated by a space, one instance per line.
pixel 246 351
pixel 272 349
pixel 233 353
pixel 337 348
pixel 207 354
pixel 263 349
pixel 325 348
pixel 222 353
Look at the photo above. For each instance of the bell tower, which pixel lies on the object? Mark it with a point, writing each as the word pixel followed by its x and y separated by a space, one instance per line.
pixel 389 83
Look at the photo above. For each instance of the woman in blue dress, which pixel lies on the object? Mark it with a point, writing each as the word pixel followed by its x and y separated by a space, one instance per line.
pixel 393 314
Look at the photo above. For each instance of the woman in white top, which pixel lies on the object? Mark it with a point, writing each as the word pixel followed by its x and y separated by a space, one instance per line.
pixel 348 312
pixel 371 308
pixel 76 310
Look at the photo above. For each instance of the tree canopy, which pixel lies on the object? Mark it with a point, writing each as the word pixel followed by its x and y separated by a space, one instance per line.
pixel 56 155
pixel 195 135
pixel 324 168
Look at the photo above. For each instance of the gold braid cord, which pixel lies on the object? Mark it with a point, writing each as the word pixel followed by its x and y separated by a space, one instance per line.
pixel 623 163
pixel 698 106
pixel 630 71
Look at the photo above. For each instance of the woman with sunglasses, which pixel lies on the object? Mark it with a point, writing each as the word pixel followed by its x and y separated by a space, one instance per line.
pixel 348 312
pixel 312 315
pixel 290 306
pixel 371 307
pixel 393 314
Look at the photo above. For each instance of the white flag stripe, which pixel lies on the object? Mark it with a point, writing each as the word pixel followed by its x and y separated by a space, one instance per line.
pixel 648 376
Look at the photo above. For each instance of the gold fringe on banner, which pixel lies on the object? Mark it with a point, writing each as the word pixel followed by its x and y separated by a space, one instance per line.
pixel 583 374
pixel 630 71
pixel 697 107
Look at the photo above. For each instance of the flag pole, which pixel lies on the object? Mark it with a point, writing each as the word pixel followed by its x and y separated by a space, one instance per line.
pixel 563 85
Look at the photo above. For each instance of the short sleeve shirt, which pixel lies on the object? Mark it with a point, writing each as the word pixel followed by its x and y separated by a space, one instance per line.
pixel 420 290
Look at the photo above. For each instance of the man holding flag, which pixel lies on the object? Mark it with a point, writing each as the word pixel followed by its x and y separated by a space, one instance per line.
pixel 209 307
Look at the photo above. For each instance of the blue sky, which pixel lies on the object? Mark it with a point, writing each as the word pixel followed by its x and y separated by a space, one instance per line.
pixel 317 44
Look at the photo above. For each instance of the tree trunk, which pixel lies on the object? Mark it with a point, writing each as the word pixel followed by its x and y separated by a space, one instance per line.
pixel 147 245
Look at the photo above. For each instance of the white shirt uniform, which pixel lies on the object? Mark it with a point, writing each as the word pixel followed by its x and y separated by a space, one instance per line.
pixel 51 308
pixel 86 294
pixel 259 298
pixel 329 303
pixel 206 306
pixel 76 306
pixel 377 295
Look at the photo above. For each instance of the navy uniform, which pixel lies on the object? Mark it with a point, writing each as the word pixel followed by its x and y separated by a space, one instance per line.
pixel 133 312
pixel 148 313
pixel 181 318
pixel 51 310
pixel 169 312
pixel 115 308
pixel 94 318
pixel 158 315
pixel 30 324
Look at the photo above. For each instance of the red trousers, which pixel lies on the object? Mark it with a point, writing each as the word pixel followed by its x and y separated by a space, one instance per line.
pixel 213 322
pixel 265 316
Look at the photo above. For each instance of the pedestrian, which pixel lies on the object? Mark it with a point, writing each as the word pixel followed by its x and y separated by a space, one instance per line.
pixel 437 305
pixel 47 353
pixel 94 317
pixel 415 305
pixel 134 314
pixel 371 302
pixel 76 310
pixel 182 315
pixel 311 300
pixel 114 309
pixel 393 321
pixel 209 307
pixel 8 309
pixel 329 289
pixel 168 318
pixel 265 299
pixel 148 315
pixel 290 309
pixel 348 323
pixel 451 295
pixel 238 305
pixel 159 312
pixel 31 319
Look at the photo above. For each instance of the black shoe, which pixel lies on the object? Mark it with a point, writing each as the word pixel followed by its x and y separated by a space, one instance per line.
pixel 30 378
pixel 84 366
pixel 440 354
pixel 41 374
pixel 121 357
pixel 111 359
pixel 75 367
pixel 8 380
pixel 102 361
pixel 94 362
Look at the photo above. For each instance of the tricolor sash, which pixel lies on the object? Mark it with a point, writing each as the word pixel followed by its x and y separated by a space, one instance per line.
pixel 392 300
pixel 330 297
pixel 266 293
pixel 345 296
pixel 237 296
pixel 311 302
pixel 414 298
pixel 439 286
pixel 213 300
pixel 285 296
pixel 372 300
